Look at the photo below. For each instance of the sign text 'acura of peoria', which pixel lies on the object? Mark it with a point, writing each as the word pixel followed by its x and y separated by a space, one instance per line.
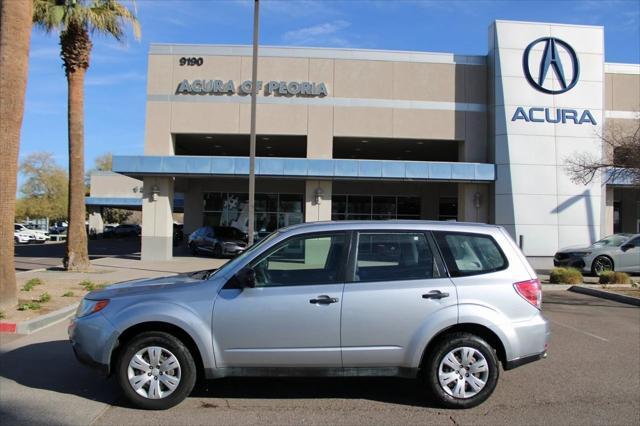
pixel 278 88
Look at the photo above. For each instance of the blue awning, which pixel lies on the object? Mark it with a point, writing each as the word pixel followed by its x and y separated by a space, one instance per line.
pixel 304 168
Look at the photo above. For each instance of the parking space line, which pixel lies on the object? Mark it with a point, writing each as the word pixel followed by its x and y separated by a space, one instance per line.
pixel 595 336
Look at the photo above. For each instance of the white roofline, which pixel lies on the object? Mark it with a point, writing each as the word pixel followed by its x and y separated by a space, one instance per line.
pixel 547 23
pixel 618 68
pixel 316 52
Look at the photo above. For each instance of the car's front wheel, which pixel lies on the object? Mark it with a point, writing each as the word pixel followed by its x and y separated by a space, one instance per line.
pixel 156 371
pixel 462 371
pixel 601 264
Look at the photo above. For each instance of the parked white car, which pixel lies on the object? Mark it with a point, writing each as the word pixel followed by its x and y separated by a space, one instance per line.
pixel 38 236
pixel 22 237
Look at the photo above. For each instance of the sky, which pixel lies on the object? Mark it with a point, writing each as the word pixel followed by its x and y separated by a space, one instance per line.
pixel 115 87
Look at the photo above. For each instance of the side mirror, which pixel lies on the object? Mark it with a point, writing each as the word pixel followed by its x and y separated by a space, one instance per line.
pixel 626 247
pixel 246 278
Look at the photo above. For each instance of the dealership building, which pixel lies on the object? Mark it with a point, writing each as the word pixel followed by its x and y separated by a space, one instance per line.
pixel 346 134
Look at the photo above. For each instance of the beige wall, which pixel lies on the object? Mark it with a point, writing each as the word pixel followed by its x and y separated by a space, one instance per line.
pixel 364 80
pixel 622 92
pixel 109 184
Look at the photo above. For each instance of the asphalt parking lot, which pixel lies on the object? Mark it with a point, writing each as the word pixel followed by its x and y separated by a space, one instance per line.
pixel 590 377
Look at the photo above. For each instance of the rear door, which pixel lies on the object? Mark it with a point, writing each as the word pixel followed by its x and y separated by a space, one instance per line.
pixel 396 291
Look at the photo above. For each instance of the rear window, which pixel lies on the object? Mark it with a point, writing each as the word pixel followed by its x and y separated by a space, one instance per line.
pixel 470 254
pixel 394 256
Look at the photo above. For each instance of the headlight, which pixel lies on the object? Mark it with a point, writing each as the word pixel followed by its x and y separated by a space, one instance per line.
pixel 87 307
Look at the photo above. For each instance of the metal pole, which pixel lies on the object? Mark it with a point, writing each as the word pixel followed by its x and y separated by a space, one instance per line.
pixel 252 141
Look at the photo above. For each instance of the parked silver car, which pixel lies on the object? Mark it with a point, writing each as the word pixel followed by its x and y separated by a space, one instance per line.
pixel 443 302
pixel 617 252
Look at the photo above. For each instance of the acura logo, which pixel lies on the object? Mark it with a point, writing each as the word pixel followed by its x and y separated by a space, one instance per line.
pixel 551 62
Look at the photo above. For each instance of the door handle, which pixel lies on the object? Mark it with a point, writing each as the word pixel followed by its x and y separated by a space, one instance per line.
pixel 323 300
pixel 435 294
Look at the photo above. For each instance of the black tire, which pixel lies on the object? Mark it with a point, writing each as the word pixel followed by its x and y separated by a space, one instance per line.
pixel 601 264
pixel 194 250
pixel 217 251
pixel 167 342
pixel 432 365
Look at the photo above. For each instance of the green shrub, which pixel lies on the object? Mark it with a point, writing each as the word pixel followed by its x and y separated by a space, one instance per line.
pixel 33 306
pixel 565 276
pixel 44 298
pixel 88 285
pixel 29 285
pixel 68 294
pixel 611 277
pixel 2 315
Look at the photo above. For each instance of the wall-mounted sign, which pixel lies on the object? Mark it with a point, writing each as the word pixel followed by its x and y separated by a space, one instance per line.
pixel 277 88
pixel 551 62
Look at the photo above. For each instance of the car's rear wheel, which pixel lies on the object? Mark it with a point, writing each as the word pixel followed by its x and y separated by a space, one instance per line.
pixel 601 264
pixel 462 371
pixel 156 371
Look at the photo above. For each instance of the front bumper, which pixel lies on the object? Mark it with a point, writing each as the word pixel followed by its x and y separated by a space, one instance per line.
pixel 93 339
pixel 571 262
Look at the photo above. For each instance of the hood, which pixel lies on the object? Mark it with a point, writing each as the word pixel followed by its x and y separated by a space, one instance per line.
pixel 572 249
pixel 154 285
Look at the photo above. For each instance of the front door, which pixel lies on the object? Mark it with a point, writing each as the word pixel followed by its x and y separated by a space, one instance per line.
pixel 292 316
pixel 397 293
pixel 629 259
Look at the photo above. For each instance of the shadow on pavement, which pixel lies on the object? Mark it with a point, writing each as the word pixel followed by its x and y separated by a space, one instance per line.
pixel 52 366
pixel 388 390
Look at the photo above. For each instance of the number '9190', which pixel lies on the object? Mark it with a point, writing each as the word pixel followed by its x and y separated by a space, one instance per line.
pixel 191 62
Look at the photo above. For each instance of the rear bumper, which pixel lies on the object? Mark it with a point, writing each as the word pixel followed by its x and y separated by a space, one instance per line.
pixel 510 365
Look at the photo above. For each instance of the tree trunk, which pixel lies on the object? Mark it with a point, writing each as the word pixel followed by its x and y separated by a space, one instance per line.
pixel 77 257
pixel 15 36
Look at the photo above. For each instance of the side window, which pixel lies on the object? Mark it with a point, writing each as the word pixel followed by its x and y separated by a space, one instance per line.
pixel 470 254
pixel 394 256
pixel 304 260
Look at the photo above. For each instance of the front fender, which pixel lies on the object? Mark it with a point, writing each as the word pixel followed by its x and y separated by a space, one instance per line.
pixel 193 320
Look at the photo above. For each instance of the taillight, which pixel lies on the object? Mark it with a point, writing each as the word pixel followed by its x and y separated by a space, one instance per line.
pixel 531 291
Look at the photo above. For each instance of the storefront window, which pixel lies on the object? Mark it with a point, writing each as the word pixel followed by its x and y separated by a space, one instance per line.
pixel 272 211
pixel 448 209
pixel 367 207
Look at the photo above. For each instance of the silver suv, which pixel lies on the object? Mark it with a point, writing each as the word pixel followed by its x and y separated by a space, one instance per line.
pixel 442 302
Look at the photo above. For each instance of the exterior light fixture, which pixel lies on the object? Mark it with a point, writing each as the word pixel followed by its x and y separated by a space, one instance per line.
pixel 208 137
pixel 364 141
pixel 318 193
pixel 154 192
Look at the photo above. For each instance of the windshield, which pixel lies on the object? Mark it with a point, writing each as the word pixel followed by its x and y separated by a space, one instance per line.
pixel 615 240
pixel 232 263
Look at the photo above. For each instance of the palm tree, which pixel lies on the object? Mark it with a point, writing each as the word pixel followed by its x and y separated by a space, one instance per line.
pixel 76 20
pixel 15 36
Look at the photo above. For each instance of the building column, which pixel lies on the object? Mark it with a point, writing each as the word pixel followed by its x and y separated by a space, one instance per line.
pixel 473 202
pixel 96 224
pixel 606 224
pixel 157 218
pixel 193 206
pixel 317 200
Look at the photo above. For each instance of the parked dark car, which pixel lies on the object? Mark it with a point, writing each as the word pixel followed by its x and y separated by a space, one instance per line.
pixel 217 241
pixel 126 230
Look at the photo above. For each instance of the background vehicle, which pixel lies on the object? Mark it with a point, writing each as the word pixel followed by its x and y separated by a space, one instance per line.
pixel 617 252
pixel 22 237
pixel 107 231
pixel 445 303
pixel 126 230
pixel 178 234
pixel 217 241
pixel 39 236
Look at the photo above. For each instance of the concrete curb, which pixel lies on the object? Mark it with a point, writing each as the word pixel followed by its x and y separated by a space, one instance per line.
pixel 35 324
pixel 605 295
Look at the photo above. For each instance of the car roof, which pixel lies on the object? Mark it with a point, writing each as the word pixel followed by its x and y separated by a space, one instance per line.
pixel 346 225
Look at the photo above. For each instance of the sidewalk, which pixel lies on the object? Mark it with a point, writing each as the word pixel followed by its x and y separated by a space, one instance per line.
pixel 105 271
